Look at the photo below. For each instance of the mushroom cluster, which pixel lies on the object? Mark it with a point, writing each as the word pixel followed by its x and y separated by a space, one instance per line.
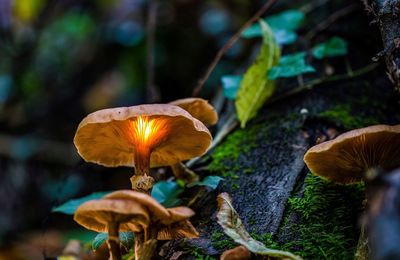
pixel 127 210
pixel 141 136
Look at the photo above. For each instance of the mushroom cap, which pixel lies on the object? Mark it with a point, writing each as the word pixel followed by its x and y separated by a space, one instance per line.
pixel 96 214
pixel 180 213
pixel 199 108
pixel 346 158
pixel 237 253
pixel 107 137
pixel 177 230
pixel 151 205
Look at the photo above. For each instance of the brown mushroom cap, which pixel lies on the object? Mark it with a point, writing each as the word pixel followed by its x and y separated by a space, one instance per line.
pixel 146 201
pixel 108 137
pixel 96 214
pixel 199 108
pixel 237 253
pixel 346 158
pixel 177 230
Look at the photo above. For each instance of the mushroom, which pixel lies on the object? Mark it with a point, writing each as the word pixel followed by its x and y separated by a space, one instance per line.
pixel 199 108
pixel 164 224
pixel 141 136
pixel 348 157
pixel 237 253
pixel 111 216
pixel 351 156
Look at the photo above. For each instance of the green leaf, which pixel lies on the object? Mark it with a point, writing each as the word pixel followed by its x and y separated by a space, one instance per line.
pixel 282 36
pixel 233 227
pixel 230 85
pixel 255 87
pixel 70 206
pixel 289 66
pixel 210 181
pixel 167 192
pixel 334 47
pixel 289 20
pixel 126 239
pixel 283 25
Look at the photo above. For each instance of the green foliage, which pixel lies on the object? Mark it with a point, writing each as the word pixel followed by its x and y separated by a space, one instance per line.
pixel 230 85
pixel 333 47
pixel 255 87
pixel 70 32
pixel 220 241
pixel 210 181
pixel 167 192
pixel 289 66
pixel 70 206
pixel 283 26
pixel 126 239
pixel 328 219
pixel 342 114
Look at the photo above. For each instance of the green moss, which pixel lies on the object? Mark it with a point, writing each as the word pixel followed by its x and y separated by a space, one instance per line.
pixel 198 254
pixel 220 241
pixel 342 114
pixel 239 142
pixel 327 226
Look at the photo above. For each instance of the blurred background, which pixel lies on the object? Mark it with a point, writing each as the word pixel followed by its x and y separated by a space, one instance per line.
pixel 59 61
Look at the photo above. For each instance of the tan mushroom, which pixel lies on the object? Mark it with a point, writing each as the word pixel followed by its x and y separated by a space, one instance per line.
pixel 351 156
pixel 165 224
pixel 141 136
pixel 347 158
pixel 112 216
pixel 199 108
pixel 237 253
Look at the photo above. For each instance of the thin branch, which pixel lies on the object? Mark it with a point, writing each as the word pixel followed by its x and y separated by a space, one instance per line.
pixel 229 44
pixel 309 85
pixel 330 20
pixel 153 94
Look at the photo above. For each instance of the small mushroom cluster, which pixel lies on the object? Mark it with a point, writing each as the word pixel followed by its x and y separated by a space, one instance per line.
pixel 142 137
pixel 353 156
pixel 128 210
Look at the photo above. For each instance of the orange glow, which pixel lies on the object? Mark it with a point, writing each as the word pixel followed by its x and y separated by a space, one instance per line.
pixel 148 132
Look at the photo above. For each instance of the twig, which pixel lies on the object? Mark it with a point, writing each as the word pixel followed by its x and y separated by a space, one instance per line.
pixel 309 7
pixel 229 44
pixel 330 20
pixel 229 125
pixel 309 85
pixel 153 94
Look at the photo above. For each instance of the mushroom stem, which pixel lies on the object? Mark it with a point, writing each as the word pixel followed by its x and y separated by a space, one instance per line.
pixel 141 180
pixel 184 173
pixel 144 250
pixel 113 241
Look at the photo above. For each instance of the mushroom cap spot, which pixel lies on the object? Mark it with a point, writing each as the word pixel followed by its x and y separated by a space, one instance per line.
pixel 106 137
pixel 153 207
pixel 199 108
pixel 178 230
pixel 346 158
pixel 96 214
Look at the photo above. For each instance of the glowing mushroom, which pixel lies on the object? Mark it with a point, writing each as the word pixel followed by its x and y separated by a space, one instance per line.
pixel 111 216
pixel 349 156
pixel 199 108
pixel 141 136
pixel 165 224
